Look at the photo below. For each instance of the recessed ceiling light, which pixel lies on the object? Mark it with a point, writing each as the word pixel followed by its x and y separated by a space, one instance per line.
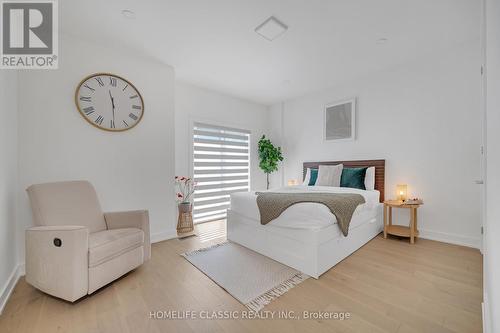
pixel 128 14
pixel 382 40
pixel 271 28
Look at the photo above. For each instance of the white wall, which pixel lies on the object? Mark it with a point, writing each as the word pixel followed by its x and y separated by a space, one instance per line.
pixel 8 181
pixel 423 118
pixel 276 118
pixel 130 170
pixel 193 103
pixel 492 225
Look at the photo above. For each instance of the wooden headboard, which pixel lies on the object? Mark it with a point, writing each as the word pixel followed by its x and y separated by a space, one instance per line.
pixel 378 164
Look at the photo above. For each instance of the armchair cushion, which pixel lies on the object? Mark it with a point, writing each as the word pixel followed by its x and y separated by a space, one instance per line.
pixel 131 219
pixel 108 244
pixel 63 203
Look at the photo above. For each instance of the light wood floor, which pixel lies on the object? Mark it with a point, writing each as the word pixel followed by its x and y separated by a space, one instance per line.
pixel 387 286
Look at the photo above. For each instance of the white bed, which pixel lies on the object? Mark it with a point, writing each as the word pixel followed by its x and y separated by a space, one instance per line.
pixel 306 235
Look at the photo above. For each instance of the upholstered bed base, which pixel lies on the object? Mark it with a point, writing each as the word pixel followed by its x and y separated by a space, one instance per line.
pixel 312 252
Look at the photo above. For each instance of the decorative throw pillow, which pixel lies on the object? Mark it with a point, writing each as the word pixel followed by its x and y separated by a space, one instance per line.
pixel 329 175
pixel 311 176
pixel 353 177
pixel 370 179
pixel 307 178
pixel 314 177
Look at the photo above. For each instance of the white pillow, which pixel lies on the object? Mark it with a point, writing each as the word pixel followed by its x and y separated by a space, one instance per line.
pixel 329 175
pixel 370 179
pixel 307 178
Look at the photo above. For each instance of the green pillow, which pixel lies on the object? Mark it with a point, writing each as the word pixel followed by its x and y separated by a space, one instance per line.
pixel 353 177
pixel 314 176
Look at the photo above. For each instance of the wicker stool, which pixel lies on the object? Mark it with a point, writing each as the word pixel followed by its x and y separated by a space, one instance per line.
pixel 185 220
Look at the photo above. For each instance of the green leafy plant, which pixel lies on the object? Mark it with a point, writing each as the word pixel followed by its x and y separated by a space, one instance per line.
pixel 269 157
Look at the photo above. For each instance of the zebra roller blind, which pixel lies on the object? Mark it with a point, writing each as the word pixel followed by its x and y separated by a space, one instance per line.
pixel 221 164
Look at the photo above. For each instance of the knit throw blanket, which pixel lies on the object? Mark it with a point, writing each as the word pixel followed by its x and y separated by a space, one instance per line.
pixel 342 205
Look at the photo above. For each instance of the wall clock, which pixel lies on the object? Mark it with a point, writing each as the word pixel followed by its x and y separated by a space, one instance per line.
pixel 109 102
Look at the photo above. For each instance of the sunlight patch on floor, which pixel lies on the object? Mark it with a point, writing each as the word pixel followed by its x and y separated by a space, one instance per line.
pixel 211 230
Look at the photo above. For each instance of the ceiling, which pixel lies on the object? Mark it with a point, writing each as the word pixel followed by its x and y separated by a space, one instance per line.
pixel 212 43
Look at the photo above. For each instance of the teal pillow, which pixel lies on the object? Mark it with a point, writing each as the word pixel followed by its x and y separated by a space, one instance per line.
pixel 314 176
pixel 353 177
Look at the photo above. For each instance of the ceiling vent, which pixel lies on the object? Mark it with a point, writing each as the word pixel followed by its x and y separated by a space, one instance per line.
pixel 271 29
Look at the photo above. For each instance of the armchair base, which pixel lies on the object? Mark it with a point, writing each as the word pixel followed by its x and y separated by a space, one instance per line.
pixel 111 270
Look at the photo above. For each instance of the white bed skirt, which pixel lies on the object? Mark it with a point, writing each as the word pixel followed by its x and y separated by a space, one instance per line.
pixel 312 252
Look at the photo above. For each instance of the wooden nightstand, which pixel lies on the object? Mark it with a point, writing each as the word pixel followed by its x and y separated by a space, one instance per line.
pixel 397 230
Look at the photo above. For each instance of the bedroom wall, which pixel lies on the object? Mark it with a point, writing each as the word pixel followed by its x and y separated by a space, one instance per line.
pixel 8 181
pixel 275 116
pixel 193 103
pixel 130 170
pixel 424 119
pixel 492 223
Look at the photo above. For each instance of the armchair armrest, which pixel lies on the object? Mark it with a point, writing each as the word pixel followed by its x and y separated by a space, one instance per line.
pixel 57 260
pixel 132 219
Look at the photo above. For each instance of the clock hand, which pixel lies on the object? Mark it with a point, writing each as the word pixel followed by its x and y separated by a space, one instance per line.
pixel 112 99
pixel 112 104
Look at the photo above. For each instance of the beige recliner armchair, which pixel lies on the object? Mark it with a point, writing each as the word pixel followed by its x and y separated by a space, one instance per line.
pixel 75 248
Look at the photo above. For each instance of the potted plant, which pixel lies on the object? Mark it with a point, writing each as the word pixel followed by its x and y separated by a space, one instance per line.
pixel 269 157
pixel 185 189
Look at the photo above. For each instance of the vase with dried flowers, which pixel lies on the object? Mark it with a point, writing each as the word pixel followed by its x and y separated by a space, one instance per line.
pixel 184 191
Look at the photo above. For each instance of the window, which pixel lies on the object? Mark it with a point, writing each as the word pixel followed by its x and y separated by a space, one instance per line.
pixel 221 164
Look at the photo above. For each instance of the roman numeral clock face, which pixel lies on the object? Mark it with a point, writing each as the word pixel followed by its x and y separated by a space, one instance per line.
pixel 109 102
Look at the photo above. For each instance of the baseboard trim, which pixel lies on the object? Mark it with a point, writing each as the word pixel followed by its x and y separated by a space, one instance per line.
pixel 9 286
pixel 163 236
pixel 486 315
pixel 450 238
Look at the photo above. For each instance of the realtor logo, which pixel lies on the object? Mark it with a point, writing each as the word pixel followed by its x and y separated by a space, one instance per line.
pixel 29 35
